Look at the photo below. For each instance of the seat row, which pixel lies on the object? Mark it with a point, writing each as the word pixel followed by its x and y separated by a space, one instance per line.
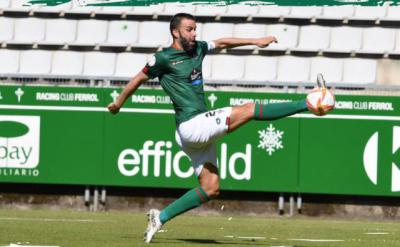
pixel 156 33
pixel 216 68
pixel 235 10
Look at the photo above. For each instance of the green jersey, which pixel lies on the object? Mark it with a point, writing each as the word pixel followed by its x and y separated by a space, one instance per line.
pixel 180 75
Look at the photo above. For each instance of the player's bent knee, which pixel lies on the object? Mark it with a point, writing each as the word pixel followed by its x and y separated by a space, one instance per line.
pixel 211 188
pixel 212 191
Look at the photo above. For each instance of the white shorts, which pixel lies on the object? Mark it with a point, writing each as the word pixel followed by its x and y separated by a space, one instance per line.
pixel 196 136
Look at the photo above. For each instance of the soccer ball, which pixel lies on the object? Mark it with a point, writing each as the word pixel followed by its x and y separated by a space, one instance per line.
pixel 320 101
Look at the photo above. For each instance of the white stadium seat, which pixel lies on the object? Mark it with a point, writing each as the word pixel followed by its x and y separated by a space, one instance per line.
pixel 293 69
pixel 393 13
pixel 206 69
pixel 273 11
pixel 305 11
pixel 4 4
pixel 117 10
pixel 397 49
pixel 154 33
pixel 29 30
pixel 6 28
pixel 286 35
pixel 260 68
pixel 377 39
pixel 35 62
pixel 91 32
pixel 249 30
pixel 60 30
pixel 67 63
pixel 99 64
pixel 210 10
pixel 369 12
pixel 154 9
pixel 331 68
pixel 242 10
pixel 129 64
pixel 227 67
pixel 213 31
pixel 123 32
pixel 359 71
pixel 9 61
pixel 338 12
pixel 314 37
pixel 345 39
pixel 173 8
pixel 199 31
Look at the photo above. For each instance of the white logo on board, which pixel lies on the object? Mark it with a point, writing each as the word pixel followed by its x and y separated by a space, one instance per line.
pixel 19 141
pixel 370 159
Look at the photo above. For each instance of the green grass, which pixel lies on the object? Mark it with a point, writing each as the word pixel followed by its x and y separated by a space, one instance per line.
pixel 118 229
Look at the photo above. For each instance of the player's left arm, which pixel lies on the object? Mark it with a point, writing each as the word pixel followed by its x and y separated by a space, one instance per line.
pixel 235 42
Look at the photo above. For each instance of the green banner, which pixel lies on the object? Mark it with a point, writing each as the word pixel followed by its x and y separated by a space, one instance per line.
pixel 65 135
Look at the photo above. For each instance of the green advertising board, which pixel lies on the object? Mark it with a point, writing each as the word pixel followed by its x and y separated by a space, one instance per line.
pixel 64 135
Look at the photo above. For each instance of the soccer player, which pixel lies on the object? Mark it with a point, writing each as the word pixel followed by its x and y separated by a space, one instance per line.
pixel 179 70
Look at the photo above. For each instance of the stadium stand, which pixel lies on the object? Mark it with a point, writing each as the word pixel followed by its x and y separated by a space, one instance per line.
pixel 128 63
pixel 35 62
pixel 67 63
pixel 359 71
pixel 299 68
pixel 9 61
pixel 99 64
pixel 288 35
pixel 123 32
pixel 333 39
pixel 91 32
pixel 29 30
pixel 227 67
pixel 6 29
pixel 254 74
pixel 345 39
pixel 60 31
pixel 159 35
pixel 313 38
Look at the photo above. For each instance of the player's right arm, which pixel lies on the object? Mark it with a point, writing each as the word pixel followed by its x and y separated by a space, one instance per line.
pixel 155 67
pixel 130 88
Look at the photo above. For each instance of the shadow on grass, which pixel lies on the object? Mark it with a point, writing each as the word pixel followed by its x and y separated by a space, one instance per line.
pixel 225 242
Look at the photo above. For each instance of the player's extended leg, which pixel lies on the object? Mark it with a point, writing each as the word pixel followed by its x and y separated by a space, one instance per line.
pixel 244 113
pixel 209 188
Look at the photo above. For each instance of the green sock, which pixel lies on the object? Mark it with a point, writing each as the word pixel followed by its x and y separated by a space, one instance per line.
pixel 279 110
pixel 193 198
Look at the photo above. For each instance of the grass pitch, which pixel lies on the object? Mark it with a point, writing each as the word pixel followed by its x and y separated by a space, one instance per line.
pixel 123 229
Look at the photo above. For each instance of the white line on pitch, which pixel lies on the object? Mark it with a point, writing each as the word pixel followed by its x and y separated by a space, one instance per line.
pixel 48 219
pixel 376 233
pixel 251 237
pixel 316 240
pixel 17 245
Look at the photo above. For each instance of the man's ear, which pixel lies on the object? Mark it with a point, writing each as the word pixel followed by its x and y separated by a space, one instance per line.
pixel 175 33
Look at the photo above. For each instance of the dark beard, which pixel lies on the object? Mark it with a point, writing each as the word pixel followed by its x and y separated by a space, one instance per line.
pixel 187 47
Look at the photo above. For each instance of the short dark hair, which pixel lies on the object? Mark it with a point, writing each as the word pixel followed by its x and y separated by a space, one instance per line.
pixel 176 20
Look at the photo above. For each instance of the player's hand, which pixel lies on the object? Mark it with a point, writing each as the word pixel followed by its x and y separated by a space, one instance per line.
pixel 265 41
pixel 113 108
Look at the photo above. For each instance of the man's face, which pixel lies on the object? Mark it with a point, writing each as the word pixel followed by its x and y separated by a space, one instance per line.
pixel 187 35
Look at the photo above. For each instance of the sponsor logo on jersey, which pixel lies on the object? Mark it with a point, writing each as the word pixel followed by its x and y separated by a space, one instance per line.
pixel 176 62
pixel 196 77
